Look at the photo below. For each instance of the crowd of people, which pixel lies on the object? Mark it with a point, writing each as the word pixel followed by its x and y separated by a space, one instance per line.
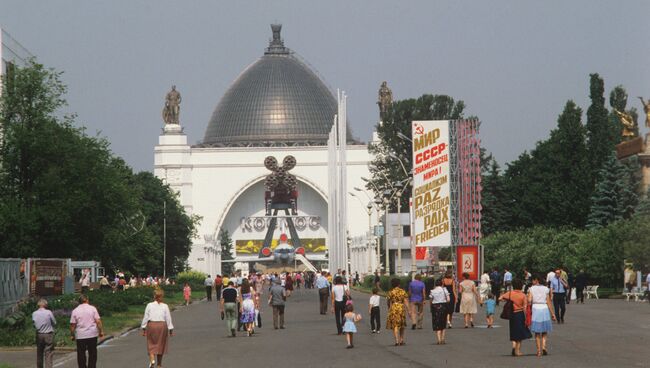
pixel 531 304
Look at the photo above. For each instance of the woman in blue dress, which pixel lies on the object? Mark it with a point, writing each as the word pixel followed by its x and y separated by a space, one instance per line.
pixel 349 327
pixel 248 306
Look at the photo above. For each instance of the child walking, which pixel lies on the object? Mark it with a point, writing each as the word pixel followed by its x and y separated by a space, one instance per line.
pixel 490 306
pixel 373 309
pixel 349 328
pixel 187 293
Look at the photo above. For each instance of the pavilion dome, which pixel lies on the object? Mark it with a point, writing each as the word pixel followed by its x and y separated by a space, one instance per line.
pixel 277 100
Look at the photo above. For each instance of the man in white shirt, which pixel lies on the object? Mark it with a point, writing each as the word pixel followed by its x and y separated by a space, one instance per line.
pixel 549 277
pixel 208 282
pixel 507 280
pixel 85 282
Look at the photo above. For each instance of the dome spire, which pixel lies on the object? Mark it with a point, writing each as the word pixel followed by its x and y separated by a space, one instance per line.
pixel 276 44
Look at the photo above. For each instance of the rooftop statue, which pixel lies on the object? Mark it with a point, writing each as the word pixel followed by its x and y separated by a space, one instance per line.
pixel 629 124
pixel 172 108
pixel 385 98
pixel 646 109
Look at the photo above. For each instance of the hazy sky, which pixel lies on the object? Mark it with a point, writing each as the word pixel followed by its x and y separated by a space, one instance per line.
pixel 514 63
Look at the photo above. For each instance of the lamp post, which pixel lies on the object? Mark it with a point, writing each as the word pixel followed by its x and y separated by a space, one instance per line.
pixel 371 183
pixel 369 210
pixel 378 203
pixel 387 198
pixel 398 187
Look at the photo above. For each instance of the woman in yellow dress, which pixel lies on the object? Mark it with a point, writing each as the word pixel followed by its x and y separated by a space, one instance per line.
pixel 398 304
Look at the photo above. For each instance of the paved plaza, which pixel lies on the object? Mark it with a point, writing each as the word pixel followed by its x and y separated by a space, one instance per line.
pixel 604 333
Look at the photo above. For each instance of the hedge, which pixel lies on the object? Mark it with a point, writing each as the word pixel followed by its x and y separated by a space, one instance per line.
pixel 194 278
pixel 17 329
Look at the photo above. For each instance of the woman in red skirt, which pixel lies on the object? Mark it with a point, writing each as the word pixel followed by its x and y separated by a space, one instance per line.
pixel 157 327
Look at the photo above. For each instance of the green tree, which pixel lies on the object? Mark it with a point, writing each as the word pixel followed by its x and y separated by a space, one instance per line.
pixel 551 186
pixel 493 197
pixel 385 168
pixel 601 133
pixel 159 202
pixel 568 176
pixel 64 194
pixel 225 241
pixel 522 192
pixel 615 196
pixel 634 237
pixel 643 208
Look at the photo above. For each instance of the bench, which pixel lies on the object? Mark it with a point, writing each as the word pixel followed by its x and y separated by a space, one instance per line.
pixel 637 293
pixel 591 290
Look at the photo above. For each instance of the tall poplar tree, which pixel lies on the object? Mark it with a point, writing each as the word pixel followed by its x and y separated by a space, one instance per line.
pixel 569 180
pixel 601 133
pixel 493 197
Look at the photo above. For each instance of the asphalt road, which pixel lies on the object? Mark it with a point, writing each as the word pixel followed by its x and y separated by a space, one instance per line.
pixel 605 333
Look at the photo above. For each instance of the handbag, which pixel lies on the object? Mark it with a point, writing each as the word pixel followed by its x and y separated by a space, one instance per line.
pixel 508 310
pixel 529 315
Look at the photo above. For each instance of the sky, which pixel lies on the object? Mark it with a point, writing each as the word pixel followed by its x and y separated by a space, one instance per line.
pixel 514 63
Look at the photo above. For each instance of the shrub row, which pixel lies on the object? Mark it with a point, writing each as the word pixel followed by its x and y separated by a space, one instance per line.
pixel 194 278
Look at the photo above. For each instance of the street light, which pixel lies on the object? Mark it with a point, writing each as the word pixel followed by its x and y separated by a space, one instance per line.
pixel 369 208
pixel 364 192
pixel 393 155
pixel 371 183
pixel 399 187
pixel 404 137
pixel 388 195
pixel 378 203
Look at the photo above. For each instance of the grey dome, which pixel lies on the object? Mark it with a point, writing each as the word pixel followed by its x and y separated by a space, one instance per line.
pixel 277 100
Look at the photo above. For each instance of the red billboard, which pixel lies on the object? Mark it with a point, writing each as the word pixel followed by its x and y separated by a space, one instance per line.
pixel 467 259
pixel 47 277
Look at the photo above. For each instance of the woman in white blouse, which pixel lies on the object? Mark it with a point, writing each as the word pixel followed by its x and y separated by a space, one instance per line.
pixel 340 295
pixel 157 327
pixel 542 314
pixel 439 298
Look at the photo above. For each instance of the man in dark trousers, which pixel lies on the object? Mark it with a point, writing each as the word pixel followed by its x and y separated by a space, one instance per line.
pixel 44 323
pixel 277 298
pixel 208 282
pixel 495 281
pixel 559 287
pixel 323 287
pixel 86 328
pixel 218 285
pixel 580 283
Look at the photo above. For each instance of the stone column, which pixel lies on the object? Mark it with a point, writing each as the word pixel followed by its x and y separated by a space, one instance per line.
pixel 217 260
pixel 206 257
